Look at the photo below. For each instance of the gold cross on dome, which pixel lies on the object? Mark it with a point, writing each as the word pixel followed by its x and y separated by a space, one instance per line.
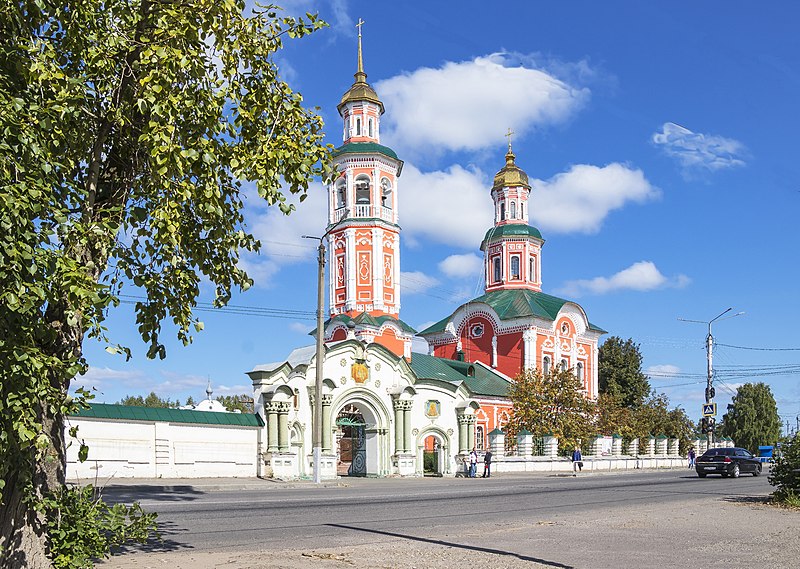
pixel 359 24
pixel 509 134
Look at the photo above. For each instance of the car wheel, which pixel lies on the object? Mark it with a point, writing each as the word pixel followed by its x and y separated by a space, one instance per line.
pixel 757 471
pixel 735 472
pixel 701 475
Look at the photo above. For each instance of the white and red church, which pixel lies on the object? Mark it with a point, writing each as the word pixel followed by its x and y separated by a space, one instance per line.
pixel 386 409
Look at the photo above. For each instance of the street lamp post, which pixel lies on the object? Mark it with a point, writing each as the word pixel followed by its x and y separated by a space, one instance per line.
pixel 316 418
pixel 710 358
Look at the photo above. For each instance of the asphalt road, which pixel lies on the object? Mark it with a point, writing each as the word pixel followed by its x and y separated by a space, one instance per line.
pixel 361 511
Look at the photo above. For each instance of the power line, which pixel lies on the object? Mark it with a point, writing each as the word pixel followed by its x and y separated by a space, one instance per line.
pixel 761 349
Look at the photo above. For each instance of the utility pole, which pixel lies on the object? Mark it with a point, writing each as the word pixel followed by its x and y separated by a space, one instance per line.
pixel 710 391
pixel 316 418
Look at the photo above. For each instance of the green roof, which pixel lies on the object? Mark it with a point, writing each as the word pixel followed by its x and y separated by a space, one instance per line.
pixel 478 379
pixel 366 319
pixel 510 230
pixel 518 303
pixel 134 413
pixel 365 148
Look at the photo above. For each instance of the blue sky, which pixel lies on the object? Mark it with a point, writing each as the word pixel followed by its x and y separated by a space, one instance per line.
pixel 661 144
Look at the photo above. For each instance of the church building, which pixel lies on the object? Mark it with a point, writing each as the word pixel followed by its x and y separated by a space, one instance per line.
pixel 387 410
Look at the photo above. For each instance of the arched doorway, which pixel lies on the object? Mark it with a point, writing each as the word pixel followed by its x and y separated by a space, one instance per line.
pixel 433 450
pixel 352 456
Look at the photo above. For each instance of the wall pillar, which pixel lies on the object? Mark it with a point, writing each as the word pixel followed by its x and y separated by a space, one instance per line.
pixel 524 443
pixel 327 400
pixel 470 432
pixel 283 426
pixel 551 446
pixel 407 425
pixel 463 442
pixel 633 447
pixel 271 410
pixel 616 445
pixel 497 443
pixel 399 426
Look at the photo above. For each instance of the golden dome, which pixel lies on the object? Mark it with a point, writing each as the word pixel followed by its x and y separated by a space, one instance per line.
pixel 360 91
pixel 510 175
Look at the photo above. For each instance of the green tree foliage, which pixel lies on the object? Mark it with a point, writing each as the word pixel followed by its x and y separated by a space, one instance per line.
pixel 551 404
pixel 128 130
pixel 620 372
pixel 243 403
pixel 152 400
pixel 82 527
pixel 785 472
pixel 753 418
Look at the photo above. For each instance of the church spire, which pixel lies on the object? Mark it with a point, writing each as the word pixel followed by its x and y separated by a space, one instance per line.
pixel 361 77
pixel 360 91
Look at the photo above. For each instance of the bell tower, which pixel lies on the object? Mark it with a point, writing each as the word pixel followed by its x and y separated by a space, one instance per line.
pixel 512 248
pixel 364 241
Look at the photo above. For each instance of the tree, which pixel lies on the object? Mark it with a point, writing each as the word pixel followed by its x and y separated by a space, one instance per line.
pixel 552 403
pixel 620 371
pixel 785 472
pixel 752 418
pixel 243 403
pixel 128 130
pixel 151 400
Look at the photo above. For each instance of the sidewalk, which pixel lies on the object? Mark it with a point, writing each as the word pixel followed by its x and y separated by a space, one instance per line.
pixel 267 484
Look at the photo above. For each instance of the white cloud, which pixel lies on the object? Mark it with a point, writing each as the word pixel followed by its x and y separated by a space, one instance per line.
pixel 98 376
pixel 429 210
pixel 580 199
pixel 416 282
pixel 457 266
pixel 699 151
pixel 301 327
pixel 468 105
pixel 641 276
pixel 663 371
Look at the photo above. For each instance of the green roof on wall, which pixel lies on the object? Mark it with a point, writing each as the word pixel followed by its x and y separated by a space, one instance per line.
pixel 135 413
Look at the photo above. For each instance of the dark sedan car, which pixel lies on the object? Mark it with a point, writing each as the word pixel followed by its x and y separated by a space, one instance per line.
pixel 727 462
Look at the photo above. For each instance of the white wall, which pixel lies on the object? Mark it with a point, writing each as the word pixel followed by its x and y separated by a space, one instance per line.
pixel 152 449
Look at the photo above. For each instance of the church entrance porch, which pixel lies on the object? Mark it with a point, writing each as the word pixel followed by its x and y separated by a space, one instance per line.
pixel 352 443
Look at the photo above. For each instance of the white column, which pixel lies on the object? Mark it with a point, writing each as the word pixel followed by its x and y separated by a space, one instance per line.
pixel 494 351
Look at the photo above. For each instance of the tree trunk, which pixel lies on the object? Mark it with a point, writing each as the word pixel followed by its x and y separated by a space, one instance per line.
pixel 22 531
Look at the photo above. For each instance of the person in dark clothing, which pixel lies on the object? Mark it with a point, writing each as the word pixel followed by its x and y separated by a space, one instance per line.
pixel 487 464
pixel 577 461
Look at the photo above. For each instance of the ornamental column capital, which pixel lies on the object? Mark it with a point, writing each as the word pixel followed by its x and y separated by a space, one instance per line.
pixel 327 399
pixel 466 419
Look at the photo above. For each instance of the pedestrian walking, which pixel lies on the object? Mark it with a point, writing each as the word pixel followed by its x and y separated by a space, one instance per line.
pixel 473 463
pixel 487 464
pixel 577 461
pixel 692 456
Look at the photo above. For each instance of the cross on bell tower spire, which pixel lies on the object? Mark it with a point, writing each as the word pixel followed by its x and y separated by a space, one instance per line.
pixel 508 135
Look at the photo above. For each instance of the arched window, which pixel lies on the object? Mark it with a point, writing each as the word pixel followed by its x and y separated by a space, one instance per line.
pixel 513 210
pixel 362 189
pixel 522 211
pixel 579 370
pixel 502 211
pixel 497 269
pixel 532 270
pixel 386 192
pixel 371 128
pixel 479 436
pixel 546 365
pixel 341 193
pixel 515 266
pixel 564 365
pixel 358 126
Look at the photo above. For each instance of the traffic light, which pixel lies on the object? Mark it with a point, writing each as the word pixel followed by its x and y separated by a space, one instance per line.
pixel 710 424
pixel 703 426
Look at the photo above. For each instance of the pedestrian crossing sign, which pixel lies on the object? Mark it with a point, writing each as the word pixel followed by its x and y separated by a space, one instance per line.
pixel 709 410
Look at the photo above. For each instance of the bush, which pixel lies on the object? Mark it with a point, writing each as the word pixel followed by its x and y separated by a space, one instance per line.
pixel 785 474
pixel 82 527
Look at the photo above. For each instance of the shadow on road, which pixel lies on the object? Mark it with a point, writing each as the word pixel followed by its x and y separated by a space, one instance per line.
pixel 161 544
pixel 458 545
pixel 135 492
pixel 761 500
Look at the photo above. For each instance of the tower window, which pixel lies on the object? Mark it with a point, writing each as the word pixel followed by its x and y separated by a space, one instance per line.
pixel 386 192
pixel 362 190
pixel 532 270
pixel 497 269
pixel 358 126
pixel 371 128
pixel 522 211
pixel 341 194
pixel 513 210
pixel 502 211
pixel 515 266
